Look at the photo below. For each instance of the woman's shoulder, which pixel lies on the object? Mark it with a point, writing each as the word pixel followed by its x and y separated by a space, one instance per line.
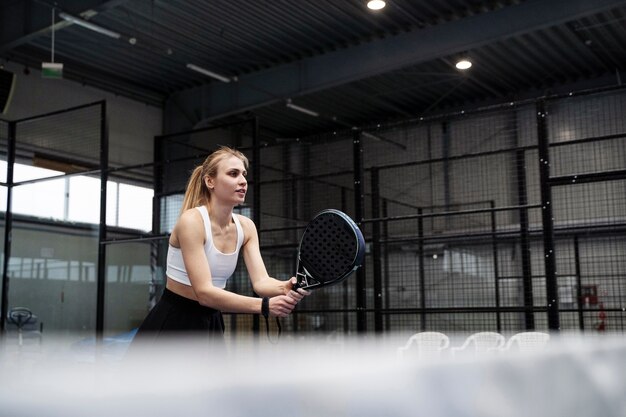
pixel 189 214
pixel 246 222
pixel 188 226
pixel 248 227
pixel 190 217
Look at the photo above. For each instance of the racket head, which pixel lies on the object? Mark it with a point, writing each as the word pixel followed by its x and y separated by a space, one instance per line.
pixel 331 248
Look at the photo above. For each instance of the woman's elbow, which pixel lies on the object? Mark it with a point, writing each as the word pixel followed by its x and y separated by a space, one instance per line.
pixel 206 296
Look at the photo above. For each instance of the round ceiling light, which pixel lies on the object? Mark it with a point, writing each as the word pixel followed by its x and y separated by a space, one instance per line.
pixel 376 4
pixel 463 64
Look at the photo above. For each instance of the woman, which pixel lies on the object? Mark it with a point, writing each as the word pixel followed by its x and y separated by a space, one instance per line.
pixel 202 255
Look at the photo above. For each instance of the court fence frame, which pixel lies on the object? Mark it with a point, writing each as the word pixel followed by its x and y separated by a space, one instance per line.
pixel 508 210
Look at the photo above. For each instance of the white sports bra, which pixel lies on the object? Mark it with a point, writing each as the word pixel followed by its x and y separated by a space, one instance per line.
pixel 222 265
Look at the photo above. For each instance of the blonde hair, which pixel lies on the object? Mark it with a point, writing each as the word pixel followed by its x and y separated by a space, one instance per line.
pixel 196 193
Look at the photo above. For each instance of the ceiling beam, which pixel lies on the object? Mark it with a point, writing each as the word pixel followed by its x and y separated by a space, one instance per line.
pixel 23 21
pixel 215 100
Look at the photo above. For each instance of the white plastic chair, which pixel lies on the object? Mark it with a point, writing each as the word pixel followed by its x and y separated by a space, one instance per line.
pixel 481 343
pixel 425 345
pixel 527 342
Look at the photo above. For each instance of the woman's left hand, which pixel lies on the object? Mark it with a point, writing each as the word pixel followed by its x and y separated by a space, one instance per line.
pixel 298 294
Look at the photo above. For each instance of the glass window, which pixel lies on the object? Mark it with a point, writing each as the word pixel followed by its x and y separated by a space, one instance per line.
pixel 84 199
pixel 45 199
pixel 112 188
pixel 23 172
pixel 3 198
pixel 77 198
pixel 135 207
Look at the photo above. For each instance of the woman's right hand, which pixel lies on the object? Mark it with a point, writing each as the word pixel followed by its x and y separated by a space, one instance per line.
pixel 281 305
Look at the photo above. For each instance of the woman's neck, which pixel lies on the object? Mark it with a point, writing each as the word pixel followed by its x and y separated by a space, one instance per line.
pixel 220 215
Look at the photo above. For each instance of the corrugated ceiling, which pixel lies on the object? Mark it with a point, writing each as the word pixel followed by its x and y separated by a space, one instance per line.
pixel 247 39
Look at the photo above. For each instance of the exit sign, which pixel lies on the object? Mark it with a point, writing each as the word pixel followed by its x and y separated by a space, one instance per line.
pixel 51 70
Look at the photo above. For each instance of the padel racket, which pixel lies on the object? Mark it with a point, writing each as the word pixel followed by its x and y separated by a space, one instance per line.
pixel 332 247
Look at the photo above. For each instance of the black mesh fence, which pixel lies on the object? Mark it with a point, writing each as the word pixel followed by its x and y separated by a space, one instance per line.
pixel 67 137
pixel 448 200
pixel 504 219
pixel 298 180
pixel 55 162
pixel 588 171
pixel 453 209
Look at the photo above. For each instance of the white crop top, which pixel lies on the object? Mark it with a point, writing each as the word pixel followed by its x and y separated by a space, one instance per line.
pixel 222 265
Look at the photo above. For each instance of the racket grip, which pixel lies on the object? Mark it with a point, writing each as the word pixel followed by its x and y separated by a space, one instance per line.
pixel 296 286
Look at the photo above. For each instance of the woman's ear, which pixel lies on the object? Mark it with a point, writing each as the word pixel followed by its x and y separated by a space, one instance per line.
pixel 208 182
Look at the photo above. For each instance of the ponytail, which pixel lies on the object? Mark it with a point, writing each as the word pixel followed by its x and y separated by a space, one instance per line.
pixel 196 193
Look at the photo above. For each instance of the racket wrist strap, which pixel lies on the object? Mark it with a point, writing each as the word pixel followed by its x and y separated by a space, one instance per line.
pixel 265 307
pixel 265 312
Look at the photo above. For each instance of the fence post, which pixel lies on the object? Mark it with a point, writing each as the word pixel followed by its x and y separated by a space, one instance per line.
pixel 357 149
pixel 547 216
pixel 376 252
pixel 8 226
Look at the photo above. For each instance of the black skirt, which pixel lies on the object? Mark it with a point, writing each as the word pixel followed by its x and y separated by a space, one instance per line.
pixel 175 316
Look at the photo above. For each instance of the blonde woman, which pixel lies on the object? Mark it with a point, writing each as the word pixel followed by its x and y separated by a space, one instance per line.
pixel 203 250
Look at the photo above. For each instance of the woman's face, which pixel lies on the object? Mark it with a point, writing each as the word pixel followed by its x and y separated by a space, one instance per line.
pixel 229 185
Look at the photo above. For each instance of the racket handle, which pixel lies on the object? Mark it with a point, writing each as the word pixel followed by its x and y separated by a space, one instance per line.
pixel 300 280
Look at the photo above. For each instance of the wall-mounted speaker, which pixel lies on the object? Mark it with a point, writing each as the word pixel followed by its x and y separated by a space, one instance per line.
pixel 7 84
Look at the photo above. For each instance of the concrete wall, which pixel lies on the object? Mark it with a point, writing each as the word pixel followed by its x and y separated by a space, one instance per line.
pixel 132 125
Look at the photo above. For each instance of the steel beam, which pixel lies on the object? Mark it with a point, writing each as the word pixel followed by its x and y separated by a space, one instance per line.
pixel 215 100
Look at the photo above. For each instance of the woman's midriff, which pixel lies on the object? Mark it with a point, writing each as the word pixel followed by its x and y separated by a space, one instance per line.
pixel 181 289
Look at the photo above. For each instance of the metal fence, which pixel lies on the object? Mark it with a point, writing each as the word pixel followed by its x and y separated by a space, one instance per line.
pixel 504 219
pixel 507 218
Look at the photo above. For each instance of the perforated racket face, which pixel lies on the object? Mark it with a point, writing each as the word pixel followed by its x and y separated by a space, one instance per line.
pixel 331 247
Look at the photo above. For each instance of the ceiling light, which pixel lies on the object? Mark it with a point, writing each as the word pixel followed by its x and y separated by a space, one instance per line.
pixel 376 4
pixel 301 109
pixel 89 25
pixel 208 73
pixel 382 139
pixel 371 136
pixel 463 64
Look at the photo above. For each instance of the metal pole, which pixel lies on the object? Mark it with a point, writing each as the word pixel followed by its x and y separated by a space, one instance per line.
pixel 527 279
pixel 345 286
pixel 579 287
pixel 8 226
pixel 547 217
pixel 376 253
pixel 422 267
pixel 496 274
pixel 102 230
pixel 157 184
pixel 357 149
pixel 385 236
pixel 256 186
